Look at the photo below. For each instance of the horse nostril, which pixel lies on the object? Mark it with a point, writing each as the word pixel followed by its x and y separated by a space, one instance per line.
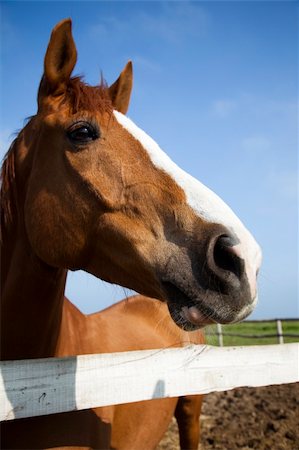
pixel 227 256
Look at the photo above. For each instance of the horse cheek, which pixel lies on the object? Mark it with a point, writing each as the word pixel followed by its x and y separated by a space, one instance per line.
pixel 55 238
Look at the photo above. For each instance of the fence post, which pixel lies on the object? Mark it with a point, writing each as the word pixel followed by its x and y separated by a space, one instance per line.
pixel 220 335
pixel 279 331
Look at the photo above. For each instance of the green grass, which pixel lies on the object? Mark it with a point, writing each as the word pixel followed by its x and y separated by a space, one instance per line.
pixel 257 328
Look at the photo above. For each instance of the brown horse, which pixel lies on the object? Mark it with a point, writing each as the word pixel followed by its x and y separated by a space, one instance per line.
pixel 137 323
pixel 83 187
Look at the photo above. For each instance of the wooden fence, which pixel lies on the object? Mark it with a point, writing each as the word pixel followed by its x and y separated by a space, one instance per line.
pixel 279 335
pixel 45 386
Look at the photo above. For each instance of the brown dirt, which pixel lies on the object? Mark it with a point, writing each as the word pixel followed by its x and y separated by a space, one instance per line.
pixel 265 418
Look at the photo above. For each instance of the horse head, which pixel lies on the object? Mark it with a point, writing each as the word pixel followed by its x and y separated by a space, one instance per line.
pixel 103 197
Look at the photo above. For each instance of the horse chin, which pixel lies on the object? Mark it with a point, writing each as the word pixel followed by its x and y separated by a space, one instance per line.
pixel 191 313
pixel 186 320
pixel 188 314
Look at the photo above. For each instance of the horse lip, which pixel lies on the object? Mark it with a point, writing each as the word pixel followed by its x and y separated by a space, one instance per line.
pixel 180 304
pixel 195 316
pixel 177 295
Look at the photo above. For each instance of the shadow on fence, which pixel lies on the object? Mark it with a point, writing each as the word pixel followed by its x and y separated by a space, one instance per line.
pixel 51 430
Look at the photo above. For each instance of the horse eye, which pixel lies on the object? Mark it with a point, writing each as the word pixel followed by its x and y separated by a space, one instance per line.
pixel 82 133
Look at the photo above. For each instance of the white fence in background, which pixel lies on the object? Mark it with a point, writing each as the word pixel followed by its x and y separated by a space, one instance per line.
pixel 279 335
pixel 45 386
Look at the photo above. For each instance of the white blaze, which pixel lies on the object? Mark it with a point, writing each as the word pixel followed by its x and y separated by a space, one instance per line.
pixel 206 204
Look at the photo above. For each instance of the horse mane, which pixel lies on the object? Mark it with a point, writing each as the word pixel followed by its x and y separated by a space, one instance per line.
pixel 8 188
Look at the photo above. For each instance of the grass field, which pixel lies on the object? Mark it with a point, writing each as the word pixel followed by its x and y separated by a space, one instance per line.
pixel 252 328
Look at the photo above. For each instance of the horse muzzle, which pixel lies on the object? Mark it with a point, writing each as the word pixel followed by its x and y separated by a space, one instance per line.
pixel 209 283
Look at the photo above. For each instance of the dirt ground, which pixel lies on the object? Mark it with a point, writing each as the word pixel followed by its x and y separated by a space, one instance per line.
pixel 265 418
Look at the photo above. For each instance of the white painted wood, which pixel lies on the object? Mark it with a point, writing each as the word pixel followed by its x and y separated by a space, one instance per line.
pixel 37 387
pixel 279 331
pixel 220 335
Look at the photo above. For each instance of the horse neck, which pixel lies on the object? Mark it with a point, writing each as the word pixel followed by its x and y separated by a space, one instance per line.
pixel 32 293
pixel 75 336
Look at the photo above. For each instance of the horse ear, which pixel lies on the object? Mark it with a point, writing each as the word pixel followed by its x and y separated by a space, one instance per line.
pixel 60 59
pixel 120 90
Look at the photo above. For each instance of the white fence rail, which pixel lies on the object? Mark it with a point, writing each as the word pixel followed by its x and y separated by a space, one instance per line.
pixel 45 386
pixel 279 335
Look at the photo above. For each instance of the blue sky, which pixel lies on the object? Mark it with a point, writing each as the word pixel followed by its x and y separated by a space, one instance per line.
pixel 215 85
